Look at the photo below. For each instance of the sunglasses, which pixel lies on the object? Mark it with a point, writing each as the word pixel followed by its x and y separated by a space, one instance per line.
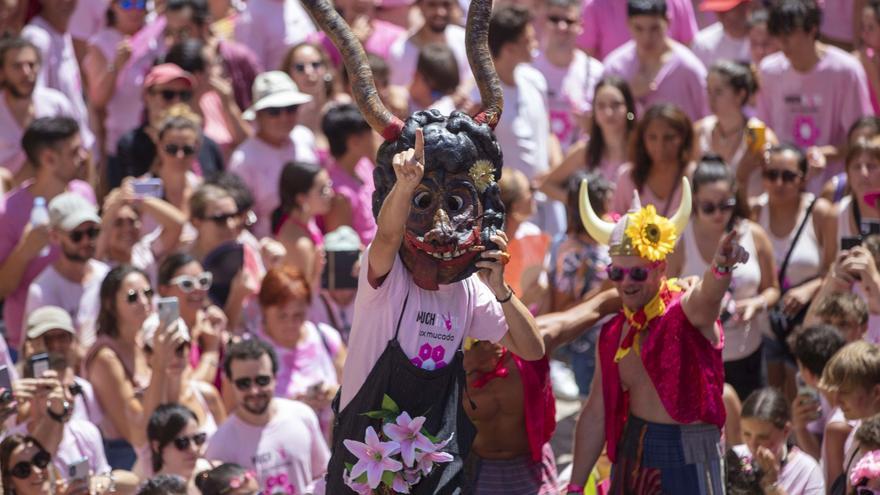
pixel 222 218
pixel 301 68
pixel 132 296
pixel 77 235
pixel 787 175
pixel 133 4
pixel 174 149
pixel 708 208
pixel 276 112
pixel 864 490
pixel 636 273
pixel 183 443
pixel 245 383
pixel 557 19
pixel 22 470
pixel 170 95
pixel 188 283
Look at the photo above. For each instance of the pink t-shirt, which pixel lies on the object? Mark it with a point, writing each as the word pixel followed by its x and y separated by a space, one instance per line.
pixel 801 475
pixel 270 27
pixel 89 17
pixel 681 80
pixel 288 454
pixel 359 193
pixel 815 108
pixel 623 195
pixel 433 323
pixel 569 92
pixel 837 19
pixel 215 125
pixel 403 55
pixel 13 220
pixel 259 164
pixel 606 28
pixel 47 103
pixel 379 43
pixel 80 439
pixel 60 69
pixel 713 44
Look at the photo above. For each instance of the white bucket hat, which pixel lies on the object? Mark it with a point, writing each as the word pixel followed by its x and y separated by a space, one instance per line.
pixel 274 89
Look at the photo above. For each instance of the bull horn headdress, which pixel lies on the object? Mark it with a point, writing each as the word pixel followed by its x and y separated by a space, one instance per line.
pixel 364 88
pixel 641 232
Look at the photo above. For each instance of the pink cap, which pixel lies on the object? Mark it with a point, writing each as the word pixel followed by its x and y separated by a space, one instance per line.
pixel 720 5
pixel 165 73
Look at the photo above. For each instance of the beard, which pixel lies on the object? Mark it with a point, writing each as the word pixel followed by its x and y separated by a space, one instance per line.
pixel 18 93
pixel 438 27
pixel 257 405
pixel 75 256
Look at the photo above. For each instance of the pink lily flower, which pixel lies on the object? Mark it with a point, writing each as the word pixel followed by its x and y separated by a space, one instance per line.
pixel 374 457
pixel 408 433
pixel 427 459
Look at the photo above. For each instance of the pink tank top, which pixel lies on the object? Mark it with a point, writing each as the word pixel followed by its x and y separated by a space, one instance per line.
pixel 685 368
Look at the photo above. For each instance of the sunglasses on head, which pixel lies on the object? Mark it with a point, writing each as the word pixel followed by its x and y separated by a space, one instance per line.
pixel 245 383
pixel 188 283
pixel 557 19
pixel 132 296
pixel 174 149
pixel 302 67
pixel 22 470
pixel 170 95
pixel 91 233
pixel 787 175
pixel 275 112
pixel 636 273
pixel 183 443
pixel 133 4
pixel 708 208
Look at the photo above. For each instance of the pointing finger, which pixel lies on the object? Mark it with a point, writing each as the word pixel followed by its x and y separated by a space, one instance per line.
pixel 420 145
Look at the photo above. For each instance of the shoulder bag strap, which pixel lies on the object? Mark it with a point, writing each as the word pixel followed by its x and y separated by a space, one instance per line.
pixel 794 242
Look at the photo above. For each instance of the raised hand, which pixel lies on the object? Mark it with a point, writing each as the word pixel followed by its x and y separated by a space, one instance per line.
pixel 409 165
pixel 729 251
pixel 492 263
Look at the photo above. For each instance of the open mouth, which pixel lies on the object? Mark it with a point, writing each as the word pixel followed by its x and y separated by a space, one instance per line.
pixel 630 291
pixel 448 252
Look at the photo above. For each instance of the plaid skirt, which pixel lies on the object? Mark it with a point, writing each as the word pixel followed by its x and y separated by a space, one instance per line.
pixel 658 459
pixel 518 476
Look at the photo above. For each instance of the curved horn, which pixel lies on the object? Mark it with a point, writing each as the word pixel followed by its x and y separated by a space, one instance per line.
pixel 683 215
pixel 477 42
pixel 362 86
pixel 599 229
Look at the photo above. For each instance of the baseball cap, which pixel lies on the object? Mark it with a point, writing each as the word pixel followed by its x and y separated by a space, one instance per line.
pixel 344 238
pixel 46 319
pixel 165 73
pixel 719 5
pixel 68 211
pixel 274 89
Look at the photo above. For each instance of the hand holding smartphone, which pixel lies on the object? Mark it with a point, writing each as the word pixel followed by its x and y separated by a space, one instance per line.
pixel 79 470
pixel 169 311
pixel 39 364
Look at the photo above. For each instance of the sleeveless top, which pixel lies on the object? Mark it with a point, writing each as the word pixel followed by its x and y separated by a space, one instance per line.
pixel 806 256
pixel 704 141
pixel 741 338
pixel 684 367
pixel 137 382
pixel 209 423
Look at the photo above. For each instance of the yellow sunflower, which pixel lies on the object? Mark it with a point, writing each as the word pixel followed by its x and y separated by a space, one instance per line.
pixel 482 172
pixel 652 235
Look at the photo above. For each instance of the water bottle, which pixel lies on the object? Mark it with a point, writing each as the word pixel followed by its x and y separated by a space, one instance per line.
pixel 40 217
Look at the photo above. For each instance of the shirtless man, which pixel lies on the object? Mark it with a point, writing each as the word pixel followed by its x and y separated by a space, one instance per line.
pixel 665 442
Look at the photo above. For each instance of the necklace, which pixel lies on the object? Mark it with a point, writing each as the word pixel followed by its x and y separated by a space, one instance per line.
pixel 726 137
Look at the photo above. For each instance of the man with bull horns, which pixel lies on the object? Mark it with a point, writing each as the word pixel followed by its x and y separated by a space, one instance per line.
pixel 656 397
pixel 400 423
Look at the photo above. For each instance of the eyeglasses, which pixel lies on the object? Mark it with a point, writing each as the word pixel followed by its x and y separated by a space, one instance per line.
pixel 77 235
pixel 170 95
pixel 22 470
pixel 132 296
pixel 174 149
pixel 275 112
pixel 708 208
pixel 555 20
pixel 188 283
pixel 183 443
pixel 245 383
pixel 636 273
pixel 133 4
pixel 222 218
pixel 301 68
pixel 787 176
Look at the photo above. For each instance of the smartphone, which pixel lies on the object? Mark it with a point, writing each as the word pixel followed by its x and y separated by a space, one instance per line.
pixel 169 311
pixel 79 470
pixel 337 271
pixel 6 384
pixel 847 243
pixel 809 394
pixel 39 364
pixel 149 188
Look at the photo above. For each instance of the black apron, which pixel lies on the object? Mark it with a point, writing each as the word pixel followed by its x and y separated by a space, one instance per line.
pixel 436 395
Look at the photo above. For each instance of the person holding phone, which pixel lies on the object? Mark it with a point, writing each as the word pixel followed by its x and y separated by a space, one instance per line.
pixel 754 287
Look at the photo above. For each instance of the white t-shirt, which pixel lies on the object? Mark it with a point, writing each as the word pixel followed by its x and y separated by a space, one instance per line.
pixel 403 56
pixel 569 92
pixel 47 102
pixel 81 301
pixel 288 454
pixel 713 44
pixel 801 475
pixel 271 27
pixel 433 323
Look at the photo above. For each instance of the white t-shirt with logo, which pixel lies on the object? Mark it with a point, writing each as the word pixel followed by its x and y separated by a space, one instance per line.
pixel 433 326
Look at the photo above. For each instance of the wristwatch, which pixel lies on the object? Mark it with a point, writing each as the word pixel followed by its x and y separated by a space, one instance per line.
pixel 58 417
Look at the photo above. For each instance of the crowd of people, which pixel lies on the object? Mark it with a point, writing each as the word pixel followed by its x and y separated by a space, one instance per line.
pixel 199 274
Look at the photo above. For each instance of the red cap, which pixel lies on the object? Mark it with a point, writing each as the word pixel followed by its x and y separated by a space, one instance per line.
pixel 165 73
pixel 719 5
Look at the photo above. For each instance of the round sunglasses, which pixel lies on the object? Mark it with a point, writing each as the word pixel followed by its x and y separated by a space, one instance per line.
pixel 188 283
pixel 183 443
pixel 22 470
pixel 708 208
pixel 636 273
pixel 132 295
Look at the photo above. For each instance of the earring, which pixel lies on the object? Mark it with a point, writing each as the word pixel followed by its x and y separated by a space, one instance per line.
pixel 630 116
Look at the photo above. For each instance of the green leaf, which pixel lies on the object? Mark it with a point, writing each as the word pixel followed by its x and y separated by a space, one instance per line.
pixel 349 466
pixel 376 414
pixel 388 477
pixel 389 405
